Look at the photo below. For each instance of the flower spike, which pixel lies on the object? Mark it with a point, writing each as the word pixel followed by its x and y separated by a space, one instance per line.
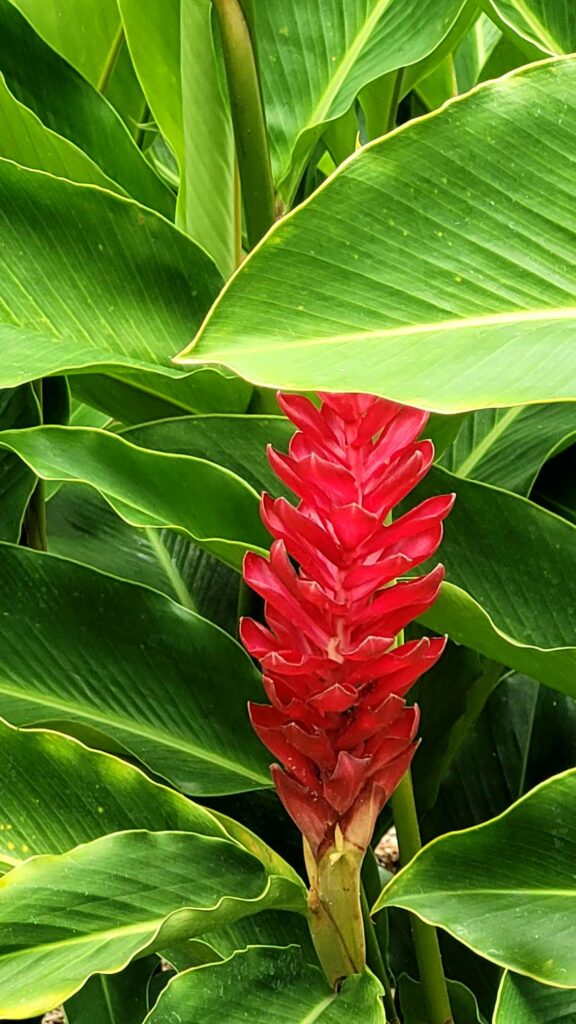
pixel 335 673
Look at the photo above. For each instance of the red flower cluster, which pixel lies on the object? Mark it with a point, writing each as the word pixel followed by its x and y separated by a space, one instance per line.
pixel 338 721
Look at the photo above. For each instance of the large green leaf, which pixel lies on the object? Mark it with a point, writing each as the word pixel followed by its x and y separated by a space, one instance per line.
pixel 91 910
pixel 177 57
pixel 147 289
pixel 549 24
pixel 94 654
pixel 508 447
pixel 506 558
pixel 311 77
pixel 271 984
pixel 39 768
pixel 67 105
pixel 523 1001
pixel 82 31
pixel 486 885
pixel 415 272
pixel 147 488
pixel 83 527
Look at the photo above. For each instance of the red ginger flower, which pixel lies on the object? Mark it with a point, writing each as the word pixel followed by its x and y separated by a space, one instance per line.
pixel 337 719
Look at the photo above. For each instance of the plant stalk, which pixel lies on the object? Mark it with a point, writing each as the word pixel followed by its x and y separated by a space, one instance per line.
pixel 380 101
pixel 111 59
pixel 248 120
pixel 375 960
pixel 34 533
pixel 425 937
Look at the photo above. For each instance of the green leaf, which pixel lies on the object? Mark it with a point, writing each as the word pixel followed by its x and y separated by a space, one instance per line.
pixel 39 768
pixel 82 31
pixel 271 984
pixel 167 685
pixel 522 1001
pixel 91 910
pixel 508 447
pixel 506 558
pixel 114 999
pixel 18 408
pixel 462 1001
pixel 305 84
pixel 177 57
pixel 83 527
pixel 486 885
pixel 415 272
pixel 66 104
pixel 214 507
pixel 148 285
pixel 549 24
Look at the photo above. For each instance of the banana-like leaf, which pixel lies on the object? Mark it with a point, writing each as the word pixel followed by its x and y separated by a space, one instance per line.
pixel 38 770
pixel 548 24
pixel 82 31
pixel 415 272
pixel 523 1001
pixel 511 616
pixel 176 53
pixel 264 983
pixel 91 910
pixel 486 886
pixel 214 507
pixel 508 447
pixel 147 290
pixel 105 658
pixel 309 78
pixel 69 106
pixel 83 527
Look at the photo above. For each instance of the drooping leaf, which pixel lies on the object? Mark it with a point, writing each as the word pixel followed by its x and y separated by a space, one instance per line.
pixel 83 527
pixel 215 508
pixel 415 273
pixel 106 658
pixel 115 285
pixel 508 447
pixel 175 50
pixel 271 984
pixel 523 1001
pixel 39 769
pixel 486 885
pixel 549 24
pixel 114 998
pixel 91 910
pixel 66 104
pixel 308 79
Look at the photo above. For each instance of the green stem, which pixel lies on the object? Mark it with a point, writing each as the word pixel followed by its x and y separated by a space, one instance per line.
pixel 248 120
pixel 111 59
pixel 425 937
pixel 380 101
pixel 375 960
pixel 34 524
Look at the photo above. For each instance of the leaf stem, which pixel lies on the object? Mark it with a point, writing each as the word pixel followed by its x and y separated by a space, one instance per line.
pixel 34 533
pixel 111 59
pixel 380 101
pixel 424 935
pixel 248 119
pixel 375 960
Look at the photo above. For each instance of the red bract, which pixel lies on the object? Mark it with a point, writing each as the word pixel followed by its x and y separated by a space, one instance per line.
pixel 336 679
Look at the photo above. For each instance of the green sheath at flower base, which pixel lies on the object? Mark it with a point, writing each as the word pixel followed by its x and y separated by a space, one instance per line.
pixel 335 911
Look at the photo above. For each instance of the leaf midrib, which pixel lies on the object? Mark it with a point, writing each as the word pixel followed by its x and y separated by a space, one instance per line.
pixel 442 893
pixel 478 453
pixel 163 739
pixel 407 330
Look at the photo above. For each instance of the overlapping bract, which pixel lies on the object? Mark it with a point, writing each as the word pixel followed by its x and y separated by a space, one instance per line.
pixel 338 722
